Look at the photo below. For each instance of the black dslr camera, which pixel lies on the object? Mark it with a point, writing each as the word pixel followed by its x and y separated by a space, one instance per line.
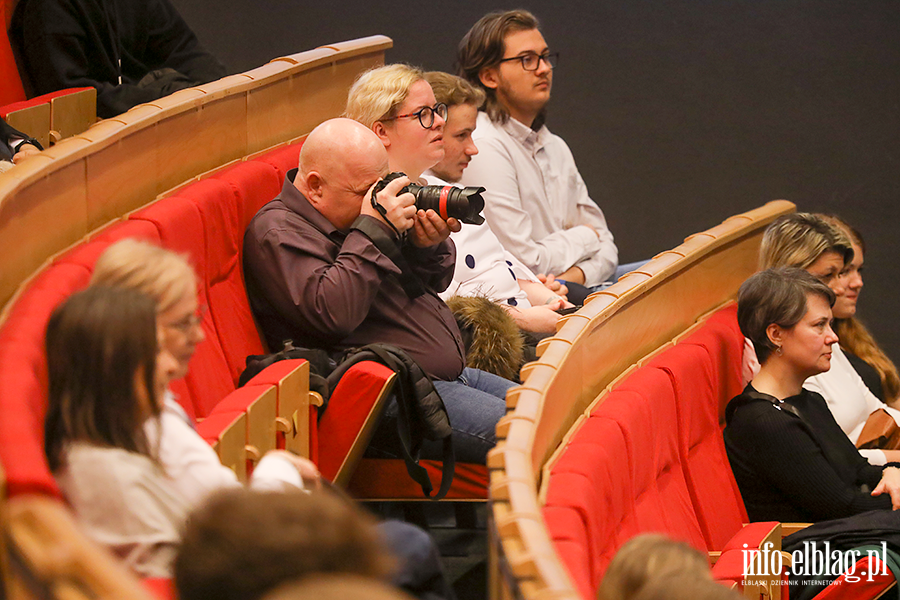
pixel 446 200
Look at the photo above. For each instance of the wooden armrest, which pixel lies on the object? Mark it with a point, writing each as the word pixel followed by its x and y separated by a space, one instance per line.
pixel 291 379
pixel 71 114
pixel 49 554
pixel 259 403
pixel 31 119
pixel 789 528
pixel 227 434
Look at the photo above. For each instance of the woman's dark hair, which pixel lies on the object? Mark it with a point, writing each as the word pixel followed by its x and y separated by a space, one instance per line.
pixel 775 296
pixel 97 342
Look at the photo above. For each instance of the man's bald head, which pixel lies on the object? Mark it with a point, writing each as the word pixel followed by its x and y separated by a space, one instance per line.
pixel 339 143
pixel 339 162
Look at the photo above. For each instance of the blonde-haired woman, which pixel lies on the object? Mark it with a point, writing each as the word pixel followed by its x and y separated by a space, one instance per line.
pixel 169 280
pixel 877 370
pixel 809 242
pixel 398 104
pixel 166 277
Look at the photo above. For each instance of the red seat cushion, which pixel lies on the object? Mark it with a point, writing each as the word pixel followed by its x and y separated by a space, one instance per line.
pixel 649 423
pixel 376 478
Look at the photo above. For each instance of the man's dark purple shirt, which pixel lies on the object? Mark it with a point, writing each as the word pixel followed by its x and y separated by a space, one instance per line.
pixel 324 288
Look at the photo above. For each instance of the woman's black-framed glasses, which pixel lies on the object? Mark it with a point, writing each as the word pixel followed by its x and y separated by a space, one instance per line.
pixel 531 61
pixel 425 115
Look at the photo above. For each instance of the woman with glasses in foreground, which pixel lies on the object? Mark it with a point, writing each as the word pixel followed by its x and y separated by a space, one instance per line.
pixel 811 243
pixel 790 458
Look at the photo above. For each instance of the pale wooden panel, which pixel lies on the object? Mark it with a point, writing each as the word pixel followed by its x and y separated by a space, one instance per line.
pixel 261 424
pixel 73 113
pixel 231 446
pixel 643 318
pixel 175 139
pixel 201 138
pixel 293 107
pixel 37 221
pixel 306 57
pixel 366 45
pixel 293 409
pixel 33 120
pixel 122 172
pixel 57 554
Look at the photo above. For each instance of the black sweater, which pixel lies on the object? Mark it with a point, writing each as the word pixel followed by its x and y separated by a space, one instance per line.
pixel 796 468
pixel 79 43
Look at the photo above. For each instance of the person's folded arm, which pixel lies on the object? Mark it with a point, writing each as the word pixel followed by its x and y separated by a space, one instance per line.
pixel 434 265
pixel 329 298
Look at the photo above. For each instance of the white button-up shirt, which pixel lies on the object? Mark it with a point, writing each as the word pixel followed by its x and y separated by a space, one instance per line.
pixel 536 201
pixel 483 266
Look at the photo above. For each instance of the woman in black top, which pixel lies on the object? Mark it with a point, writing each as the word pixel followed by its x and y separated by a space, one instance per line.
pixel 790 458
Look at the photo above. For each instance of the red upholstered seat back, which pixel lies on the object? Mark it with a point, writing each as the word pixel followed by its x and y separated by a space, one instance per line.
pixel 713 489
pixel 11 89
pixel 648 420
pixel 722 338
pixel 181 230
pixel 590 508
pixel 250 185
pixel 23 377
pixel 651 458
pixel 283 159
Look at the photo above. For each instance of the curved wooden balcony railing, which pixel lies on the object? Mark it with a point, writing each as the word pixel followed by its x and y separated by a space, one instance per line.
pixel 592 348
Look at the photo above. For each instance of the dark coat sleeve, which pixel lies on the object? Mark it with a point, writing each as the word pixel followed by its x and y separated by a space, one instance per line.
pixel 78 43
pixel 434 265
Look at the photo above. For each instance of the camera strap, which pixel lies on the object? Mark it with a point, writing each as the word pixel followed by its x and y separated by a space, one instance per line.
pixel 383 212
pixel 410 282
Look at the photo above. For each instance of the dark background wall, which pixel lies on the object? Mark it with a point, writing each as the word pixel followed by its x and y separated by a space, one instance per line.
pixel 680 113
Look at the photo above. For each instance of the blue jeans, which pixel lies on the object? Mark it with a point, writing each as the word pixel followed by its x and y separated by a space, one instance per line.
pixel 475 401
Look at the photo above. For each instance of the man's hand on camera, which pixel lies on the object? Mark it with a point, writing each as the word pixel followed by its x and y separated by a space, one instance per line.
pixel 430 229
pixel 401 209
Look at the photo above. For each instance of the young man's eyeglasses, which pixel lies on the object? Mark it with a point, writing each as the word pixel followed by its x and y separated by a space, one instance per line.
pixel 531 61
pixel 425 115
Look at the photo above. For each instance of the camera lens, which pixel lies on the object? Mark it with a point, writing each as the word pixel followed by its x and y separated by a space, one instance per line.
pixel 448 201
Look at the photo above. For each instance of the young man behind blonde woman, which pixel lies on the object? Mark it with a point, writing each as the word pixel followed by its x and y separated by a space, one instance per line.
pixel 483 266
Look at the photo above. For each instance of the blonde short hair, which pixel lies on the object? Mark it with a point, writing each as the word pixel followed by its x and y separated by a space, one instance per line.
pixel 163 275
pixel 799 239
pixel 378 92
pixel 453 90
pixel 647 557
